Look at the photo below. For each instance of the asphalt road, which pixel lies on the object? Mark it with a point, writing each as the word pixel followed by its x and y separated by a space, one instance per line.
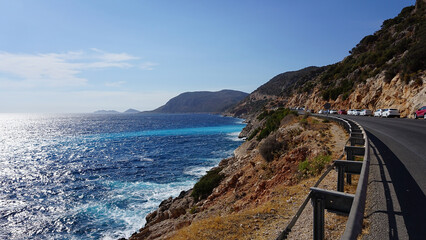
pixel 396 195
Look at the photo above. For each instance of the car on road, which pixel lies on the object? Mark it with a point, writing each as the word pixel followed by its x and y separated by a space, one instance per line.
pixel 321 111
pixel 342 112
pixel 332 111
pixel 378 113
pixel 356 112
pixel 390 112
pixel 421 112
pixel 365 112
pixel 350 112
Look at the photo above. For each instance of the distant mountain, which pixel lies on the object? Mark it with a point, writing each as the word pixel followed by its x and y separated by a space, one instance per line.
pixel 106 112
pixel 131 110
pixel 202 102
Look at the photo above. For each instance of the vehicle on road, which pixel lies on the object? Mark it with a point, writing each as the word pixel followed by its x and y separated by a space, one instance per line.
pixel 342 112
pixel 321 111
pixel 356 112
pixel 390 112
pixel 365 112
pixel 332 111
pixel 350 112
pixel 378 113
pixel 421 112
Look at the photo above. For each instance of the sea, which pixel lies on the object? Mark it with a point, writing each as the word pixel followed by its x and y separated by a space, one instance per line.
pixel 96 176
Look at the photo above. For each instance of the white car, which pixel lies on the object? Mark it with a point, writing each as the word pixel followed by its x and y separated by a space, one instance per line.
pixel 356 112
pixel 350 112
pixel 378 113
pixel 321 112
pixel 390 112
pixel 333 111
pixel 365 112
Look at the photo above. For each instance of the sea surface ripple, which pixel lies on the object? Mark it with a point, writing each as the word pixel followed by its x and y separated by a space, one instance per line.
pixel 88 176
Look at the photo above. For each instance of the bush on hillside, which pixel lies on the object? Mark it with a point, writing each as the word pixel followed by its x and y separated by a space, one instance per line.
pixel 315 166
pixel 271 147
pixel 273 121
pixel 204 187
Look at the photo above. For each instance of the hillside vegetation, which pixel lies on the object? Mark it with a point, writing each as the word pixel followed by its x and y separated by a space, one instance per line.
pixel 385 69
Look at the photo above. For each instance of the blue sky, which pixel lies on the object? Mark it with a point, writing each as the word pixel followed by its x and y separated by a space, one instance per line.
pixel 82 56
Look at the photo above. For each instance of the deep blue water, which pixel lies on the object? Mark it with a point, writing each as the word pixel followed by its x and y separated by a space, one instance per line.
pixel 93 176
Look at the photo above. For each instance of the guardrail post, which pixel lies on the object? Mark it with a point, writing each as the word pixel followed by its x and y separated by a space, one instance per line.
pixel 319 205
pixel 348 178
pixel 340 178
pixel 332 201
pixel 349 156
pixel 346 166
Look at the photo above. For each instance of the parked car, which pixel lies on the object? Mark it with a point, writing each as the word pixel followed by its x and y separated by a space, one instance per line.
pixel 321 111
pixel 365 112
pixel 350 112
pixel 421 112
pixel 332 111
pixel 378 113
pixel 390 112
pixel 342 112
pixel 356 112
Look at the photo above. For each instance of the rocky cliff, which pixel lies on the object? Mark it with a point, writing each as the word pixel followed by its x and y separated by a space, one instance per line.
pixel 385 70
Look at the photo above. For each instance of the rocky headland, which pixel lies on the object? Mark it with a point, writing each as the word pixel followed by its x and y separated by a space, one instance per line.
pixel 202 102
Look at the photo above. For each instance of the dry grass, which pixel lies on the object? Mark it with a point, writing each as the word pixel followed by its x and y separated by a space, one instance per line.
pixel 265 221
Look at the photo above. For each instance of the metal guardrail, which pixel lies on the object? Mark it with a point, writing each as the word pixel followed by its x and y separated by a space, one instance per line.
pixel 338 201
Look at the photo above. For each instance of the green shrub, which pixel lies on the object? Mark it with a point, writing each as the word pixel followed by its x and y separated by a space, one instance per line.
pixel 303 122
pixel 345 96
pixel 273 122
pixel 253 134
pixel 270 147
pixel 204 187
pixel 264 114
pixel 315 166
pixel 193 210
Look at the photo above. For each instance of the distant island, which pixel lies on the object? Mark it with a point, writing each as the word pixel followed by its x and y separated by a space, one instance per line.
pixel 130 110
pixel 202 102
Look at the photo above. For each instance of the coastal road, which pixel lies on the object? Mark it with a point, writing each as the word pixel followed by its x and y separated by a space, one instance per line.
pixel 396 195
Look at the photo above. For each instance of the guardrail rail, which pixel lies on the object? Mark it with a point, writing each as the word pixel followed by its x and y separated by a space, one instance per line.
pixel 337 201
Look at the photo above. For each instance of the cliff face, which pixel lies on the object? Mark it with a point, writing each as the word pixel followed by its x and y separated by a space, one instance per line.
pixel 385 70
pixel 372 94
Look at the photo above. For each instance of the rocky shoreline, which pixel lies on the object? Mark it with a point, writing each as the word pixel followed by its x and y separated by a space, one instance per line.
pixel 251 180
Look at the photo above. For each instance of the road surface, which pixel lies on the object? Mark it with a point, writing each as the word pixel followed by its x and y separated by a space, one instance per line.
pixel 396 195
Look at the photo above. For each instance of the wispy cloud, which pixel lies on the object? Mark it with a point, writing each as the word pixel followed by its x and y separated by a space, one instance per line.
pixel 57 69
pixel 148 66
